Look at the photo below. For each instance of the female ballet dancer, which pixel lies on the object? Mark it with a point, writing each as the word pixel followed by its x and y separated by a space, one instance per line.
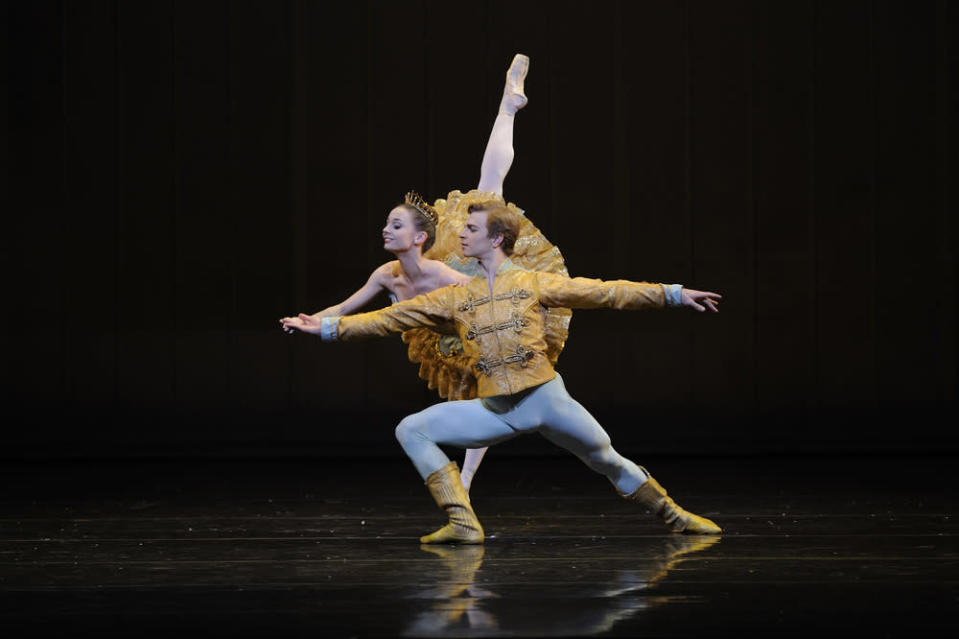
pixel 424 240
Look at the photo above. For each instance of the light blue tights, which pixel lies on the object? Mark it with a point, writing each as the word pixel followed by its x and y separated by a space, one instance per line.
pixel 546 409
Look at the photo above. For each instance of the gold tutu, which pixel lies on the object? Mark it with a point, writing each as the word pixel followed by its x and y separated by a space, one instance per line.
pixel 441 359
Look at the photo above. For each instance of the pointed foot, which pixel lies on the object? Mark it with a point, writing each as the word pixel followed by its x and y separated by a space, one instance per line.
pixel 514 96
pixel 450 534
pixel 696 525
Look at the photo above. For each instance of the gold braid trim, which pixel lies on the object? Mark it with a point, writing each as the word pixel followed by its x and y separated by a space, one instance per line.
pixel 453 376
pixel 531 251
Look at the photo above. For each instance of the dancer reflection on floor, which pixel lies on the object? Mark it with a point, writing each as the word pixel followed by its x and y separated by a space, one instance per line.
pixel 464 602
pixel 500 318
pixel 423 239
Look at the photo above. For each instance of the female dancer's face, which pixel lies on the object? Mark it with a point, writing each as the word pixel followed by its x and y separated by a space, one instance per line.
pixel 399 234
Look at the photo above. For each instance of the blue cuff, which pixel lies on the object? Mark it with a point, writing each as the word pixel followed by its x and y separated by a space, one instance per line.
pixel 328 328
pixel 674 294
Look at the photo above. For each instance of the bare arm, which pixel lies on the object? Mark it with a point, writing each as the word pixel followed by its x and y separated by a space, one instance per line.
pixel 374 285
pixel 362 297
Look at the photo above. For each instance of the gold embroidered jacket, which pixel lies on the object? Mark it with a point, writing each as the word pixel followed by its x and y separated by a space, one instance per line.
pixel 501 330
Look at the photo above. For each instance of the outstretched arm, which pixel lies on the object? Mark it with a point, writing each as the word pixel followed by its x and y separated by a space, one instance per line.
pixel 498 156
pixel 359 299
pixel 362 297
pixel 582 292
pixel 431 310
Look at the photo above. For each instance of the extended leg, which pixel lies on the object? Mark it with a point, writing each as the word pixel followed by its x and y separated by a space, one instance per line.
pixel 566 423
pixel 498 156
pixel 497 159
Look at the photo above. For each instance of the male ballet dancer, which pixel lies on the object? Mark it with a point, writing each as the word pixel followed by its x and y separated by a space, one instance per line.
pixel 499 319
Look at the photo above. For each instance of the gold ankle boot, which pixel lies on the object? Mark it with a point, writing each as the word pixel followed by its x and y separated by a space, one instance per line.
pixel 654 497
pixel 447 489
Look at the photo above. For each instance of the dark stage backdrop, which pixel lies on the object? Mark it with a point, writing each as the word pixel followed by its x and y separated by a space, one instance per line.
pixel 182 174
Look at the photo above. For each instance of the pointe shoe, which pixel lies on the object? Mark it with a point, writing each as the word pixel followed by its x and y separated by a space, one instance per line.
pixel 514 98
pixel 447 489
pixel 654 497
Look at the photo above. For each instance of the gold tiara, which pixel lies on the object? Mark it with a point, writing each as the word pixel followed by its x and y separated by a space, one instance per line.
pixel 413 199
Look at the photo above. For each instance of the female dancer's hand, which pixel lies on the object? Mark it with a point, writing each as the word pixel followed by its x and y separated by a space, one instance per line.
pixel 302 322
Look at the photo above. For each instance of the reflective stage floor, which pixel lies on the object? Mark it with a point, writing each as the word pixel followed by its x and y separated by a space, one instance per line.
pixel 812 546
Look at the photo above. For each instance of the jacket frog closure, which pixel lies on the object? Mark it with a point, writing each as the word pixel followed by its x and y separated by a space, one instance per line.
pixel 502 329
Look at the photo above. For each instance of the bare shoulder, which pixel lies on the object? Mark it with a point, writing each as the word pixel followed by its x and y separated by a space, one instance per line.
pixel 446 276
pixel 385 273
pixel 388 269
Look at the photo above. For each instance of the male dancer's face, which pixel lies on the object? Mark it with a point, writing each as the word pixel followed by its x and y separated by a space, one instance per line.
pixel 474 238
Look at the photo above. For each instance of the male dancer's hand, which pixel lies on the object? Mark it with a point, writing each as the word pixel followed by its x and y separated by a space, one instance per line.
pixel 302 322
pixel 701 300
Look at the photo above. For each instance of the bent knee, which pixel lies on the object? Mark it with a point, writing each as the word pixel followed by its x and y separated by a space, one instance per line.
pixel 410 428
pixel 402 430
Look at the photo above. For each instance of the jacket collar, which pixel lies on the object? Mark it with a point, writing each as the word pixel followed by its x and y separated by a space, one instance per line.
pixel 505 266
